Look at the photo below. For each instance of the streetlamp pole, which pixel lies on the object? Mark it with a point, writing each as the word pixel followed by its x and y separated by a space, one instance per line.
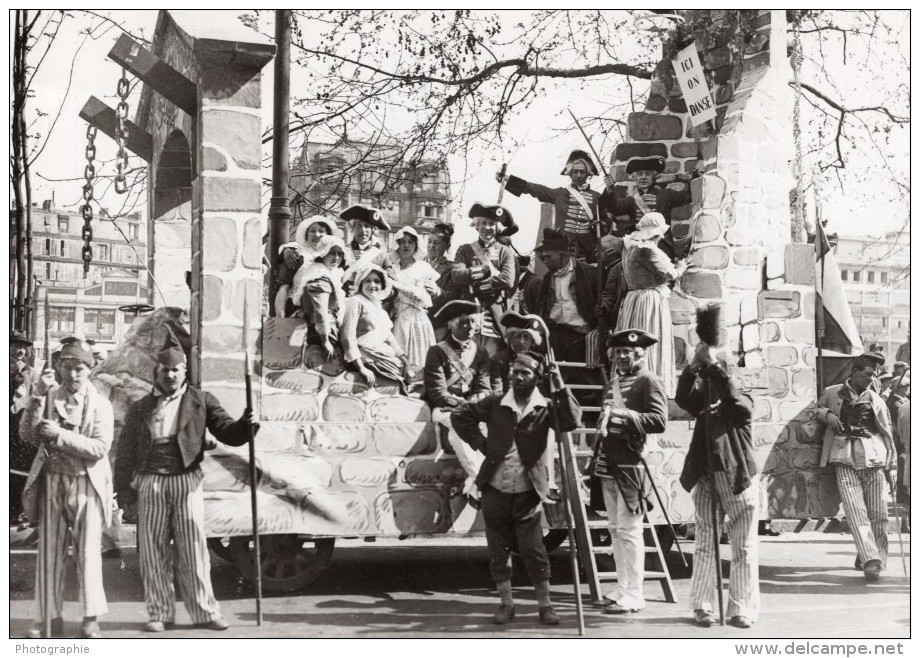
pixel 279 213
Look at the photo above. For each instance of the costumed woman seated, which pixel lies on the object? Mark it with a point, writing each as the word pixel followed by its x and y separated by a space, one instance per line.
pixel 296 255
pixel 367 332
pixel 648 271
pixel 317 290
pixel 416 285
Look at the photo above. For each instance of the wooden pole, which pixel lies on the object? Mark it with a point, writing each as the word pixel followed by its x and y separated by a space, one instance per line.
pixel 279 213
pixel 257 557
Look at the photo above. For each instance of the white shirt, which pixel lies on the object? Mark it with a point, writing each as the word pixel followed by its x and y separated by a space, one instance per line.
pixel 564 310
pixel 165 421
pixel 536 400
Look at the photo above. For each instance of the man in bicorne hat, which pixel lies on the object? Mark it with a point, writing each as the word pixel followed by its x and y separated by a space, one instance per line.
pixel 858 443
pixel 21 453
pixel 514 476
pixel 522 335
pixel 456 372
pixel 576 205
pixel 484 271
pixel 72 424
pixel 159 466
pixel 647 196
pixel 634 406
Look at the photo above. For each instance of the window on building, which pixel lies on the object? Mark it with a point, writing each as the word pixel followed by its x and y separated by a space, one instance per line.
pixel 856 276
pixel 63 224
pixel 63 251
pixel 61 319
pixel 430 211
pixel 884 277
pixel 47 271
pixel 48 247
pixel 102 253
pixel 98 323
pixel 870 277
pixel 133 231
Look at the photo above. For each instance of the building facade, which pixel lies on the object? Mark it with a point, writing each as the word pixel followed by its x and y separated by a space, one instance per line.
pixel 86 306
pixel 876 277
pixel 329 178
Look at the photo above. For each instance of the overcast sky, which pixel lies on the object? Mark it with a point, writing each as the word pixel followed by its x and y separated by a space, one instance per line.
pixel 859 210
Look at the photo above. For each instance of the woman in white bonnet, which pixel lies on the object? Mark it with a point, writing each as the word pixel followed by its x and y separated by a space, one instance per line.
pixel 648 272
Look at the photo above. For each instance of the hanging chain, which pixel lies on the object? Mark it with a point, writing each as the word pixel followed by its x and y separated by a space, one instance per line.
pixel 121 133
pixel 798 225
pixel 89 172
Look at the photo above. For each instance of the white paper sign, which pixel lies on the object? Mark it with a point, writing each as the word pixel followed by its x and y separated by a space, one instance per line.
pixel 692 81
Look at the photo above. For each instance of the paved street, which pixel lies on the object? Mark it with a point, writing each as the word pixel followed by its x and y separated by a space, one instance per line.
pixel 440 588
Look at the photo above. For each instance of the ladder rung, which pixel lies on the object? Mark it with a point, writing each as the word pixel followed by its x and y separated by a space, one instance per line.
pixel 577 364
pixel 585 387
pixel 649 575
pixel 597 409
pixel 583 453
pixel 583 430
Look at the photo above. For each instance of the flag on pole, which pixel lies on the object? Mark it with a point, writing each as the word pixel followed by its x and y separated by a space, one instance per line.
pixel 840 331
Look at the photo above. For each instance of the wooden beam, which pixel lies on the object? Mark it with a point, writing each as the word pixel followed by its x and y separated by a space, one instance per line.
pixel 98 114
pixel 156 73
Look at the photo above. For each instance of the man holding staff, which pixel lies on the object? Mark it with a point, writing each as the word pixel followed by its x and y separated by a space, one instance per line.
pixel 158 465
pixel 69 486
pixel 721 473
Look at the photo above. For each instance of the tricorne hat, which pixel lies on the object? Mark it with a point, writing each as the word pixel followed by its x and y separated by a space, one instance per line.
pixel 529 323
pixel 495 213
pixel 630 338
pixel 653 163
pixel 579 156
pixel 454 309
pixel 371 216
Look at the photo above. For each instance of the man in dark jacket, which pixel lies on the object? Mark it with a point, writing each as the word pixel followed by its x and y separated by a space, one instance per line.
pixel 514 477
pixel 456 372
pixel 21 452
pixel 720 463
pixel 647 196
pixel 160 451
pixel 576 205
pixel 635 405
pixel 567 298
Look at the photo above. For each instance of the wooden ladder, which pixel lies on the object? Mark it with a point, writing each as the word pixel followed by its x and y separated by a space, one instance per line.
pixel 580 451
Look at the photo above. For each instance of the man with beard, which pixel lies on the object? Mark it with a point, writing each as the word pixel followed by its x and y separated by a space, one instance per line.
pixel 514 476
pixel 159 466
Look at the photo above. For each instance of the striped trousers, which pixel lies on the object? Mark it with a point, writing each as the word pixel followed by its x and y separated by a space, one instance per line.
pixel 742 513
pixel 73 503
pixel 862 493
pixel 171 508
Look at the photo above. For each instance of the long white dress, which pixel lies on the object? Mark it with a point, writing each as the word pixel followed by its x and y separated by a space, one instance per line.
pixel 412 326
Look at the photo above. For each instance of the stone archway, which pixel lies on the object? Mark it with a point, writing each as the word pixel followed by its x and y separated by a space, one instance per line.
pixel 170 227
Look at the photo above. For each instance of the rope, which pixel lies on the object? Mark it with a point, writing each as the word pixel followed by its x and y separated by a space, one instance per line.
pixel 798 225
